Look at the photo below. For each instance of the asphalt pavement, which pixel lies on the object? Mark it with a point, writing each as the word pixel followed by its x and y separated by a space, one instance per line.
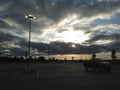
pixel 56 76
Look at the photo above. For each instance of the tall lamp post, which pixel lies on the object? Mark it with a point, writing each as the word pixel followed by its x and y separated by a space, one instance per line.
pixel 81 51
pixel 30 18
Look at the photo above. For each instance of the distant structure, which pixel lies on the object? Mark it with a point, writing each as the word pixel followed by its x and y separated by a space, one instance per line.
pixel 113 54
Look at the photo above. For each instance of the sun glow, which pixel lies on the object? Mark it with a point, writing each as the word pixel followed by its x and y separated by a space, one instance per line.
pixel 73 45
pixel 72 36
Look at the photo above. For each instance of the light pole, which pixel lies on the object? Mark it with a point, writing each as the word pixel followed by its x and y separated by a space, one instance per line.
pixel 81 51
pixel 30 18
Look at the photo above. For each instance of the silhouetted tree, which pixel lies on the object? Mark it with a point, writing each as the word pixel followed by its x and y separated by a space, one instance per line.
pixel 93 56
pixel 72 58
pixel 53 58
pixel 65 59
pixel 41 58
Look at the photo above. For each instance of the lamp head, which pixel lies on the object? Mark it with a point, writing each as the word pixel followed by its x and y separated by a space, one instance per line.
pixel 30 17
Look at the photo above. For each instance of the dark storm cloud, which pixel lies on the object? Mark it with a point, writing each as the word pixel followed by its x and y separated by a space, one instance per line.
pixel 56 48
pixel 4 1
pixel 4 25
pixel 17 51
pixel 55 9
pixel 17 10
pixel 9 38
pixel 114 45
pixel 66 48
pixel 113 37
pixel 9 44
pixel 6 37
pixel 50 11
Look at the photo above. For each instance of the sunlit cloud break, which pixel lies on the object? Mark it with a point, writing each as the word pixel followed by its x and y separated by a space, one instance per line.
pixel 82 22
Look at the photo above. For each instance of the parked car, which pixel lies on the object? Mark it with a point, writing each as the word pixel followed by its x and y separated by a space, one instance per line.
pixel 97 65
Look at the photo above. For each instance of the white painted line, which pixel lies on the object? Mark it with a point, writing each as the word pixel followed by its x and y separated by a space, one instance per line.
pixel 14 75
pixel 59 74
pixel 37 74
pixel 66 80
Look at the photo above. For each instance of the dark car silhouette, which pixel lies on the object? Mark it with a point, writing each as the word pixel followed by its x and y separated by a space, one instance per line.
pixel 97 65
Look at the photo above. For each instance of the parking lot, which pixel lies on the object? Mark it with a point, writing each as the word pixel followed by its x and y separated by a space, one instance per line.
pixel 57 76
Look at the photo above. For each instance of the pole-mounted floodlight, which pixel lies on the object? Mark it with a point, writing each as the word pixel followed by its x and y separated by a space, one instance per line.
pixel 30 18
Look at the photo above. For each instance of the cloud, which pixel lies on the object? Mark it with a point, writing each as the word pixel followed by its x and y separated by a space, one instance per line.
pixel 4 25
pixel 102 38
pixel 8 42
pixel 97 19
pixel 115 45
pixel 58 47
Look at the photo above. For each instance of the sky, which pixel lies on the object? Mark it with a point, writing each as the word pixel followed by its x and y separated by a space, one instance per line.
pixel 60 27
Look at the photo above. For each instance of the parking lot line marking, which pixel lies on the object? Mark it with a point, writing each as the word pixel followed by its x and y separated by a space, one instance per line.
pixel 37 74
